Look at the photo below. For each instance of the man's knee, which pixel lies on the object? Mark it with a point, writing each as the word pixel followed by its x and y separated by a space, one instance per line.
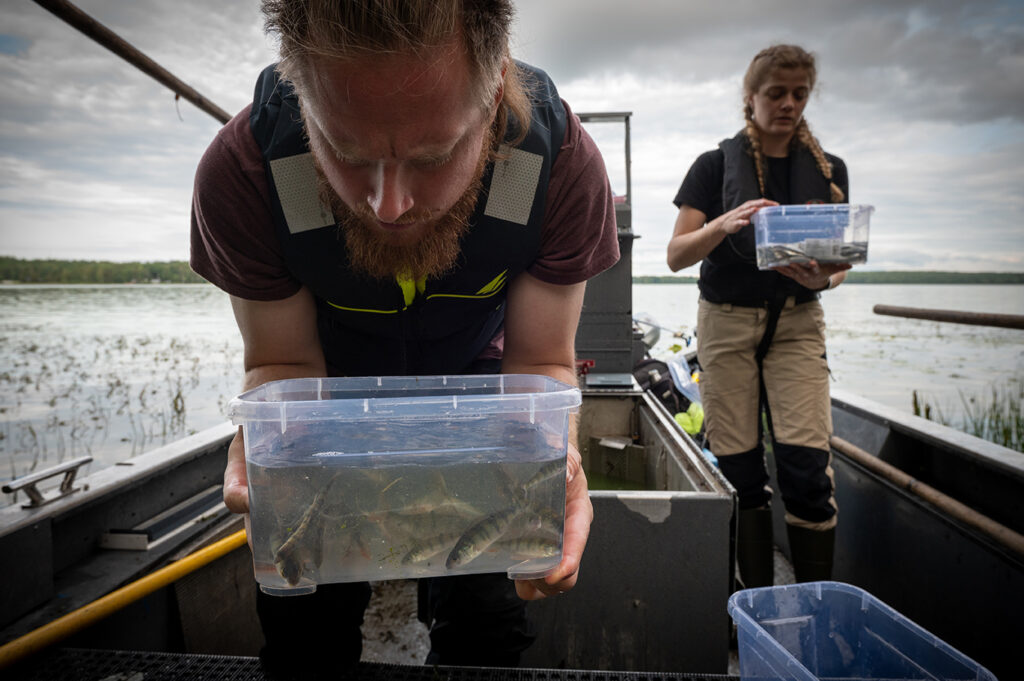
pixel 475 620
pixel 313 636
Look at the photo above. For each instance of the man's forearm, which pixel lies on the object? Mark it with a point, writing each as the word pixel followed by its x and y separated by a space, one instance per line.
pixel 258 375
pixel 559 372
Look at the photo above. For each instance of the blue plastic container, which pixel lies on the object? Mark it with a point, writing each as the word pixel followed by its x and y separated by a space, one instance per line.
pixel 830 630
pixel 826 232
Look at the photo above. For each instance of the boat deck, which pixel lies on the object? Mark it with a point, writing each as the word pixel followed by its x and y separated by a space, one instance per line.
pixel 73 664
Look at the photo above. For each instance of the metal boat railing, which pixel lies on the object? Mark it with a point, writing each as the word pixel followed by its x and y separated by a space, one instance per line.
pixel 29 484
pixel 997 532
pixel 1007 321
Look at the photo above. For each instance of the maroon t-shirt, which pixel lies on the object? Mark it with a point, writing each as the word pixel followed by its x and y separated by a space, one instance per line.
pixel 235 246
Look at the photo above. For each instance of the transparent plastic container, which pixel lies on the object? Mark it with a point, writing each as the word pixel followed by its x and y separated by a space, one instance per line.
pixel 830 630
pixel 825 232
pixel 356 479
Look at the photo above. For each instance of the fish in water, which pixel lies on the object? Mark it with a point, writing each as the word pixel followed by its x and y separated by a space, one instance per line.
pixel 429 548
pixel 548 470
pixel 772 255
pixel 545 518
pixel 481 535
pixel 304 545
pixel 417 502
pixel 529 547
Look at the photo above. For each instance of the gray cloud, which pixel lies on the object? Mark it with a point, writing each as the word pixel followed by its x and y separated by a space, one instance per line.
pixel 942 60
pixel 924 101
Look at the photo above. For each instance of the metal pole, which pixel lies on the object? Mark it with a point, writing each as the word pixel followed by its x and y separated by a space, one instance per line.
pixel 1009 321
pixel 104 36
pixel 997 532
pixel 629 170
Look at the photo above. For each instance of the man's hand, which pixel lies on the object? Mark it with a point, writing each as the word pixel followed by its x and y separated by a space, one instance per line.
pixel 579 513
pixel 236 483
pixel 281 341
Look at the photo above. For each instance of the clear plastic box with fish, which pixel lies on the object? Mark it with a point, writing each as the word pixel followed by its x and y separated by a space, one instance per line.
pixel 354 479
pixel 825 232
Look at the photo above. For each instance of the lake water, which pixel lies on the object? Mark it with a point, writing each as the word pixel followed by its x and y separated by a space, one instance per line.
pixel 888 358
pixel 112 371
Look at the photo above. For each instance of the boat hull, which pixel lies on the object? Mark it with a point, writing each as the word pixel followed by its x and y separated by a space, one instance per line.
pixel 940 572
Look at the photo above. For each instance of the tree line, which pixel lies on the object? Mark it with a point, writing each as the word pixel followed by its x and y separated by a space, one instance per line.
pixel 95 272
pixel 894 277
pixel 22 271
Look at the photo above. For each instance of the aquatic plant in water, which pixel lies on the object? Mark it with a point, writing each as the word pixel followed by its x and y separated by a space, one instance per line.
pixel 997 417
pixel 109 397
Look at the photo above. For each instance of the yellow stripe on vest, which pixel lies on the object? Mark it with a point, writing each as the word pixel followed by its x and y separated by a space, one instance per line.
pixel 494 285
pixel 411 287
pixel 359 309
pixel 491 288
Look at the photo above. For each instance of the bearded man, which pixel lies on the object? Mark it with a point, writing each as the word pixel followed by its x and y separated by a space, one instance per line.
pixel 403 198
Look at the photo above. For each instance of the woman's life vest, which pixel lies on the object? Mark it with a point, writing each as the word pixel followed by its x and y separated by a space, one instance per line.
pixel 729 273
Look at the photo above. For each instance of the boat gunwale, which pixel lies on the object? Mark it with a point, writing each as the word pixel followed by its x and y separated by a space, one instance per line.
pixel 955 441
pixel 119 477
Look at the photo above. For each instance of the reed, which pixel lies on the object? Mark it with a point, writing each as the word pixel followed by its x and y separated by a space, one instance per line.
pixel 997 416
pixel 111 397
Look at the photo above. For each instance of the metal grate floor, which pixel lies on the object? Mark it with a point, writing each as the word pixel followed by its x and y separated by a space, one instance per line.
pixel 70 664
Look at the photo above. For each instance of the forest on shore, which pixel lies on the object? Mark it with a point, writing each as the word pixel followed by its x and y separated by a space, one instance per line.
pixel 885 277
pixel 20 271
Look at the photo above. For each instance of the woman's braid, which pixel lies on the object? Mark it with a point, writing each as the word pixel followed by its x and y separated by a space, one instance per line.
pixel 803 134
pixel 755 147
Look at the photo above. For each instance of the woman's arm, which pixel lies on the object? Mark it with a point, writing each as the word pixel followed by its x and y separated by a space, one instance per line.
pixel 690 243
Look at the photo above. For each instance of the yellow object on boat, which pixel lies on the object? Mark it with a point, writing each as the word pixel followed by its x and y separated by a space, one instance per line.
pixel 692 419
pixel 69 624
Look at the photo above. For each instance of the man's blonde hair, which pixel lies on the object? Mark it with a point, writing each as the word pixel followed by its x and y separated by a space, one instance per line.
pixel 346 30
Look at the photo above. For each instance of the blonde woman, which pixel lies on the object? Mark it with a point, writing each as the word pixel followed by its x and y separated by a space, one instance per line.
pixel 761 333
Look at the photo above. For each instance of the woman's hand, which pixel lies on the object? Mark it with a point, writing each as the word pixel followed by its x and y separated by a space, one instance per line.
pixel 812 275
pixel 739 217
pixel 579 513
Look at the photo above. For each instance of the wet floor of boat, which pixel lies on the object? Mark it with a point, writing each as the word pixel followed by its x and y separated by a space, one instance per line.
pixel 393 635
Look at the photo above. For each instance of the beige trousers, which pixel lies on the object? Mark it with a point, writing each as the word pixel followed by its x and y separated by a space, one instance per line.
pixel 795 375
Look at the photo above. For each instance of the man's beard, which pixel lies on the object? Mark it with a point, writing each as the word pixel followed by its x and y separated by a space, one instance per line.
pixel 431 255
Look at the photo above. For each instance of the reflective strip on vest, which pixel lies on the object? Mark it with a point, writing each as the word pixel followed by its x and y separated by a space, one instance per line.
pixel 513 185
pixel 298 189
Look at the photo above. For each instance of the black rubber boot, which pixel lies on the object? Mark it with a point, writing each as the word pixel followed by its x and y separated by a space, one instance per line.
pixel 811 552
pixel 754 548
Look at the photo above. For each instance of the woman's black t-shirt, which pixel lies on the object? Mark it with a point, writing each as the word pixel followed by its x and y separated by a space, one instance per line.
pixel 740 282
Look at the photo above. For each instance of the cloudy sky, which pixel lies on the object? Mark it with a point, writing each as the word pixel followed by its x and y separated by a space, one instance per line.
pixel 924 100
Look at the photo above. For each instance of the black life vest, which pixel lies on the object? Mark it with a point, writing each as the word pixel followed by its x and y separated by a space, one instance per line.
pixel 370 327
pixel 729 273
